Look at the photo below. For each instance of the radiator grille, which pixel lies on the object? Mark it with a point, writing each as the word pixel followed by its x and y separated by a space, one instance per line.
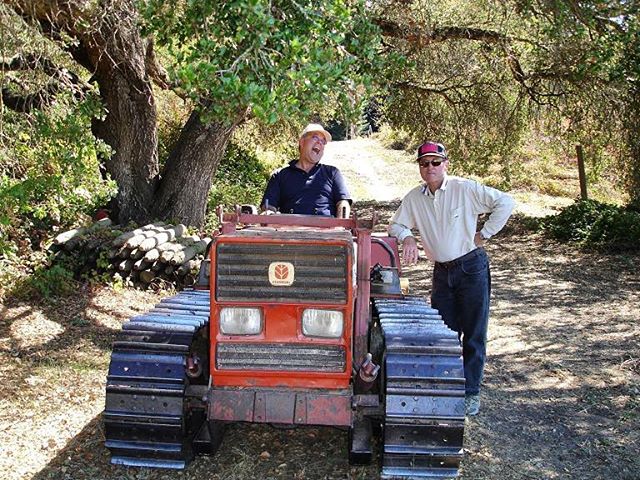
pixel 280 357
pixel 242 272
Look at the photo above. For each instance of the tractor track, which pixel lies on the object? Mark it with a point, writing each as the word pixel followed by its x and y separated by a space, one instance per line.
pixel 146 420
pixel 424 391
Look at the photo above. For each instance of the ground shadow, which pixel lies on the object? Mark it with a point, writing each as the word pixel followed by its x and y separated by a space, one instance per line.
pixel 248 451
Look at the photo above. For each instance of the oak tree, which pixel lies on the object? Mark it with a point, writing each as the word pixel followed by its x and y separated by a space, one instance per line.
pixel 229 60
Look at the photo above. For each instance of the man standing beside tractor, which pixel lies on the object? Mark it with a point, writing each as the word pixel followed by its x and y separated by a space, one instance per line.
pixel 307 186
pixel 445 211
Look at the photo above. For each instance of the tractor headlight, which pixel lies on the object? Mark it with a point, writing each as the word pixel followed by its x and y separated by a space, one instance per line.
pixel 240 321
pixel 322 323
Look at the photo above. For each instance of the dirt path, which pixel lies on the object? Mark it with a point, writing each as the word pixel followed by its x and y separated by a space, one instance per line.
pixel 561 397
pixel 371 171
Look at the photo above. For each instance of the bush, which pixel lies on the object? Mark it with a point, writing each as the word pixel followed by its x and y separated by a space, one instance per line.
pixel 46 281
pixel 50 179
pixel 241 178
pixel 49 172
pixel 596 225
pixel 396 139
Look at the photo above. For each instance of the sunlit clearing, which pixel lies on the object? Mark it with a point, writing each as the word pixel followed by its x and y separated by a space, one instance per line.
pixel 31 328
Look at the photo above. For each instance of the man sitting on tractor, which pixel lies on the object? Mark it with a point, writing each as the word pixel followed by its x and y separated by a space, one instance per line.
pixel 306 186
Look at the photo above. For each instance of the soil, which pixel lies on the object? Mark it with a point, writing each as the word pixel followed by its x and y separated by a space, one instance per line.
pixel 561 394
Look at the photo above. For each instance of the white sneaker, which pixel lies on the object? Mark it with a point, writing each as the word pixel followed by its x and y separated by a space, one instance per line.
pixel 472 405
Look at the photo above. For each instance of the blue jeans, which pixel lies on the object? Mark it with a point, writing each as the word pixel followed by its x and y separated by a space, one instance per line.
pixel 461 290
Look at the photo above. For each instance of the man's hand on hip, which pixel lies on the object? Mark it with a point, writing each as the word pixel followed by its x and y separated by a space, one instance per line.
pixel 478 240
pixel 409 251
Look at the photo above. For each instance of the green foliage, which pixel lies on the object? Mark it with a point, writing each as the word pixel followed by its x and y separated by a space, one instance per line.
pixel 49 180
pixel 46 282
pixel 570 67
pixel 596 225
pixel 49 169
pixel 278 58
pixel 397 138
pixel 173 113
pixel 240 179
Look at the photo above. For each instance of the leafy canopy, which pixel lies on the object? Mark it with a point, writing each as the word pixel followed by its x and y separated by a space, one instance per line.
pixel 487 74
pixel 278 58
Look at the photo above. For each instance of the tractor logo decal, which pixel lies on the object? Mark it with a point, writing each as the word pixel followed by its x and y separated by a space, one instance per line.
pixel 281 274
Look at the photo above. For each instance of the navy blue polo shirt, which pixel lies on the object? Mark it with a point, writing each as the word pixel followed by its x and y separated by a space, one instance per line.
pixel 292 190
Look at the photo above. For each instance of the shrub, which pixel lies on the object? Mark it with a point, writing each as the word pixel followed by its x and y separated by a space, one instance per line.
pixel 50 178
pixel 396 138
pixel 45 282
pixel 596 225
pixel 49 171
pixel 241 178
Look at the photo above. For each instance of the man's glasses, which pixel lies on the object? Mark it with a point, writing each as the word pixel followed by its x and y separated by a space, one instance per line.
pixel 318 138
pixel 426 163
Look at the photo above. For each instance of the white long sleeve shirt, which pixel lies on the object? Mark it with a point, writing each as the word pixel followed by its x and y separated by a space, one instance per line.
pixel 448 219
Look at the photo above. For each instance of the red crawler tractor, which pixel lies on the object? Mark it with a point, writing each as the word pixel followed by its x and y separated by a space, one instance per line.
pixel 301 322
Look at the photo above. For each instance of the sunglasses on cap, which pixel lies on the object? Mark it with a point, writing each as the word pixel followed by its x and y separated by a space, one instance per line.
pixel 424 163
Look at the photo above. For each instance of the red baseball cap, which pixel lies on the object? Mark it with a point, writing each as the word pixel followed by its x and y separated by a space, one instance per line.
pixel 432 148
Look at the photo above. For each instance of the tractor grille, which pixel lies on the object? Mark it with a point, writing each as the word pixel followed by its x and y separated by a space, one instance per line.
pixel 242 272
pixel 282 357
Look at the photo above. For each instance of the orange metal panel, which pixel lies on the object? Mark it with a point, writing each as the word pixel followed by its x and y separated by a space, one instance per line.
pixel 302 407
pixel 282 324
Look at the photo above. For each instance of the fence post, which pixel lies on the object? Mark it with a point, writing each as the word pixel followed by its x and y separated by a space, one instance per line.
pixel 581 174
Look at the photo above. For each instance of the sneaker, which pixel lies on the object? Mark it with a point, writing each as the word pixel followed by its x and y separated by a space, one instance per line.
pixel 471 405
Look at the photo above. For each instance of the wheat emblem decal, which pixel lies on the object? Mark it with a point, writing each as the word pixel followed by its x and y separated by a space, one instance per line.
pixel 281 274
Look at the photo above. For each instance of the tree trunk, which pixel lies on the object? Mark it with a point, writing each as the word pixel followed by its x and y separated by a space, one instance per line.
pixel 130 129
pixel 130 126
pixel 186 179
pixel 109 45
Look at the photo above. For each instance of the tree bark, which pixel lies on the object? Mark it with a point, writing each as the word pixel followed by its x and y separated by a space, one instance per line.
pixel 130 126
pixel 189 170
pixel 110 47
pixel 130 129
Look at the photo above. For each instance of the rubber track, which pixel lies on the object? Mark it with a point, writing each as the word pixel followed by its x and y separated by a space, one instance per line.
pixel 144 416
pixel 424 392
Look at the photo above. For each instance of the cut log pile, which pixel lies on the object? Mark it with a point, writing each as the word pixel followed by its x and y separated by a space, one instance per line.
pixel 152 254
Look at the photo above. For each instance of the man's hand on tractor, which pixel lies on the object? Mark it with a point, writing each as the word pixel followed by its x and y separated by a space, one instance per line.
pixel 269 211
pixel 343 209
pixel 409 251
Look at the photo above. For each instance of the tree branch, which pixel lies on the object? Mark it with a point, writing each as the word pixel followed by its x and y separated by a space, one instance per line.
pixel 36 62
pixel 154 68
pixel 30 102
pixel 418 36
pixel 60 79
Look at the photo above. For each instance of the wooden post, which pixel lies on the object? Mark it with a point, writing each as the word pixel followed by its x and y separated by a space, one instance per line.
pixel 581 174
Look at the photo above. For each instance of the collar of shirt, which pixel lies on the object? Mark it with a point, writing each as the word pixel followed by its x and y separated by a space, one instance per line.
pixel 443 187
pixel 315 168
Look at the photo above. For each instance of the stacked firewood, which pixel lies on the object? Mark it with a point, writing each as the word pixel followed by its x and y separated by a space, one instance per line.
pixel 151 254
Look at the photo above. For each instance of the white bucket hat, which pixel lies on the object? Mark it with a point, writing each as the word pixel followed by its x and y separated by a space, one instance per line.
pixel 316 127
